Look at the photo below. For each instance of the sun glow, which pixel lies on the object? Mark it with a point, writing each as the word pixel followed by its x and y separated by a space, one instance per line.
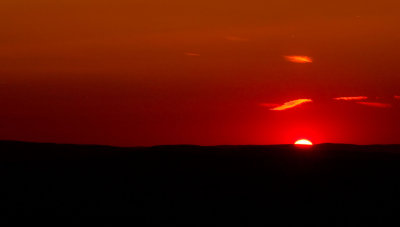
pixel 303 142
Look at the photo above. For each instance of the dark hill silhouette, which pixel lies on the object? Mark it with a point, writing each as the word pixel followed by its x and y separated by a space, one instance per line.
pixel 196 184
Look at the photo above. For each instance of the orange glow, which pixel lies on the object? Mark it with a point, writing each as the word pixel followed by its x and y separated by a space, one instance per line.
pixel 299 59
pixel 303 142
pixel 351 98
pixel 291 104
pixel 375 104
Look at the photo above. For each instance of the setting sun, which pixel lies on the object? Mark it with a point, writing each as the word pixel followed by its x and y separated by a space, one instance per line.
pixel 303 142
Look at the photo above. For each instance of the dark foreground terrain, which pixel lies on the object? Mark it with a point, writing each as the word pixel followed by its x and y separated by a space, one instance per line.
pixel 328 183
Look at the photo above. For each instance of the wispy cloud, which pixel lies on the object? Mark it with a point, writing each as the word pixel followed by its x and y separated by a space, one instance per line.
pixel 351 98
pixel 291 104
pixel 357 100
pixel 376 104
pixel 299 59
pixel 191 54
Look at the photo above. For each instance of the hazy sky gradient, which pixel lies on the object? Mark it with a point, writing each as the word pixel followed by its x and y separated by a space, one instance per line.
pixel 168 72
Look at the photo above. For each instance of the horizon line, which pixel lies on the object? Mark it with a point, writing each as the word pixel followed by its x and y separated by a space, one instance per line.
pixel 194 145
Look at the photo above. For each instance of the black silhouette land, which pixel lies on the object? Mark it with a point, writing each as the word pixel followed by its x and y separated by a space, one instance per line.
pixel 198 184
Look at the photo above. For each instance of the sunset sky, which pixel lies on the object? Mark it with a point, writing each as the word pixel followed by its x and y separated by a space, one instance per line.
pixel 207 72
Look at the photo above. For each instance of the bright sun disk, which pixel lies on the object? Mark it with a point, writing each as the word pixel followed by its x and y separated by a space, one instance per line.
pixel 303 142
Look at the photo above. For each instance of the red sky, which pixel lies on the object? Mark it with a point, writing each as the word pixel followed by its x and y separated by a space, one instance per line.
pixel 146 72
